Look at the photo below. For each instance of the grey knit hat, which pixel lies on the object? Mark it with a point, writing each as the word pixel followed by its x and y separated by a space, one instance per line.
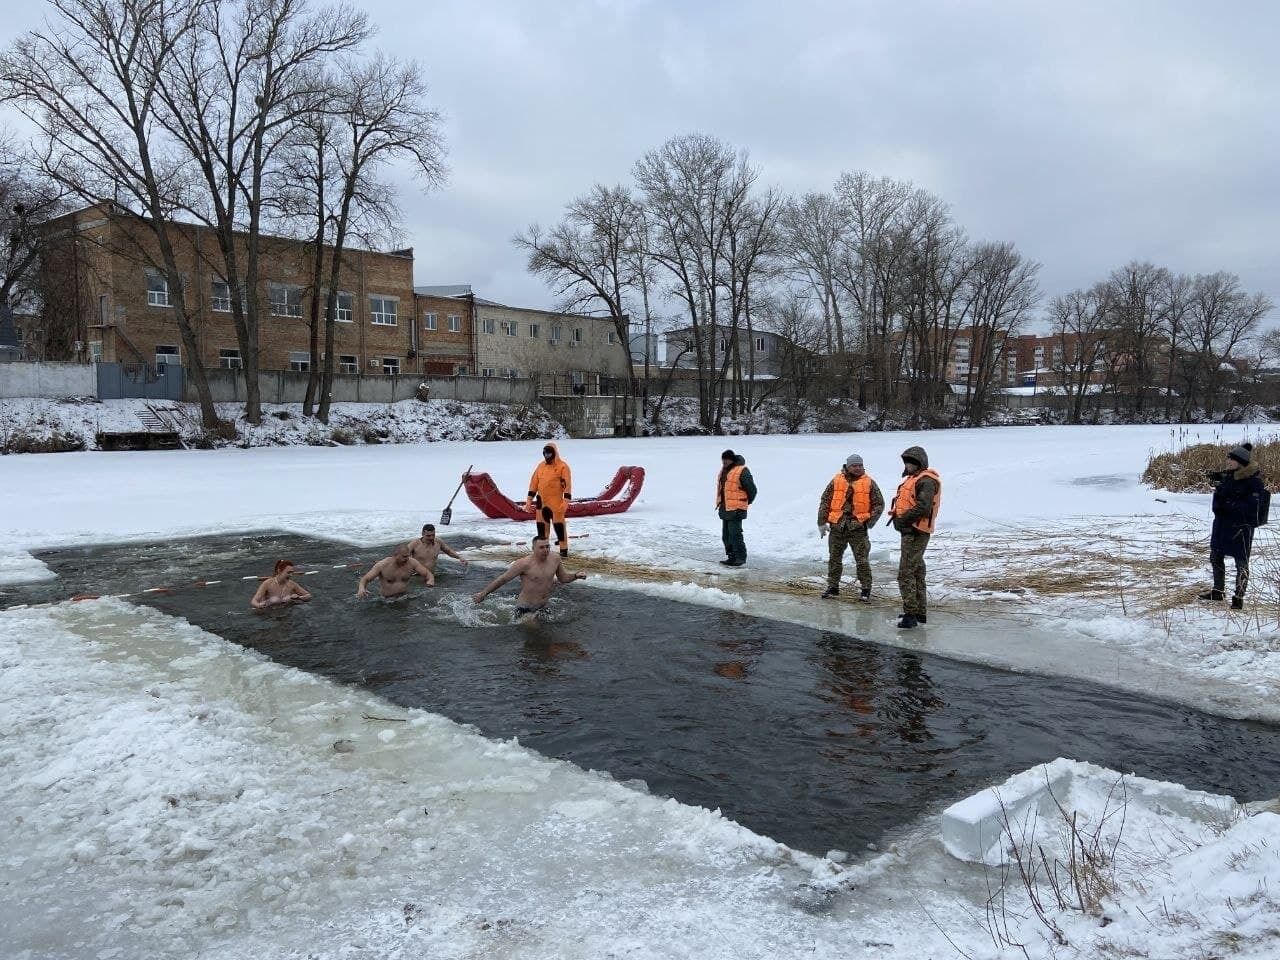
pixel 853 460
pixel 1242 454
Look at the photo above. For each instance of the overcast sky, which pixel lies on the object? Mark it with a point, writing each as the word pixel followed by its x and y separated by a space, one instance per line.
pixel 1088 133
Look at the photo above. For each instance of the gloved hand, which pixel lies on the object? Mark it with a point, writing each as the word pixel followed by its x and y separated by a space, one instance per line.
pixel 822 529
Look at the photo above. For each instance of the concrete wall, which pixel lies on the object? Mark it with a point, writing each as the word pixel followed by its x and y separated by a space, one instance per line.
pixel 586 417
pixel 48 379
pixel 289 387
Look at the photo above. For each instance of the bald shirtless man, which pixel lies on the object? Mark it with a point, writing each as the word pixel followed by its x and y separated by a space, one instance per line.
pixel 427 549
pixel 538 573
pixel 394 572
pixel 279 588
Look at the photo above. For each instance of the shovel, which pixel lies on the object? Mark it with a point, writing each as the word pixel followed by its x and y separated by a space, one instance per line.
pixel 447 513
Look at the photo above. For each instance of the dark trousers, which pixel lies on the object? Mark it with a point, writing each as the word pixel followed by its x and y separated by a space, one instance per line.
pixel 1218 561
pixel 735 547
pixel 562 537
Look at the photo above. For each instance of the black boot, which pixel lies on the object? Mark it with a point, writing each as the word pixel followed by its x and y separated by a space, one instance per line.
pixel 830 592
pixel 907 622
pixel 921 618
pixel 865 595
pixel 1211 595
pixel 1237 603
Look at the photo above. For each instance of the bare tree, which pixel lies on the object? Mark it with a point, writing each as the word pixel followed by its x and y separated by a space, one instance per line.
pixel 236 88
pixel 1002 292
pixel 380 116
pixel 1221 318
pixel 815 229
pixel 1080 322
pixel 90 80
pixel 27 200
pixel 590 258
pixel 1137 300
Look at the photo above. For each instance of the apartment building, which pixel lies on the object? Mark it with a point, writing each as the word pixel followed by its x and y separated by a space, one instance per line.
pixel 100 276
pixel 559 349
pixel 761 352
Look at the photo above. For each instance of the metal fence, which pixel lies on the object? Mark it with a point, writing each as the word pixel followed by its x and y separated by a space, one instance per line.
pixel 136 381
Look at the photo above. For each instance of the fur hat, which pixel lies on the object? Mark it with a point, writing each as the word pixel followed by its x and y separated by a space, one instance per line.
pixel 1242 454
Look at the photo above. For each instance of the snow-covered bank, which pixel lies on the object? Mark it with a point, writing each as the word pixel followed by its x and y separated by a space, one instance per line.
pixel 35 422
pixel 169 794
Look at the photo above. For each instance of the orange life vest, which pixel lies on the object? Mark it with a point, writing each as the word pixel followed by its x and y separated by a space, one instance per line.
pixel 731 496
pixel 861 498
pixel 905 499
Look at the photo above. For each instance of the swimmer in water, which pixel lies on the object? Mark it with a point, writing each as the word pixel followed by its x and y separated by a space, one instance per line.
pixel 393 574
pixel 539 572
pixel 279 588
pixel 427 549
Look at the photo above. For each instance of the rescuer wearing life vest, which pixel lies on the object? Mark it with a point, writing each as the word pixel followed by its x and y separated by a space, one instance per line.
pixel 850 506
pixel 550 489
pixel 735 491
pixel 914 511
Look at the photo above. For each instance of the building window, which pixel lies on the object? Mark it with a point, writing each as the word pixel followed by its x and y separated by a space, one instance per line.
pixel 555 333
pixel 391 366
pixel 759 344
pixel 167 356
pixel 286 301
pixel 577 337
pixel 455 323
pixel 488 372
pixel 613 337
pixel 348 363
pixel 429 321
pixel 487 325
pixel 509 327
pixel 157 290
pixel 299 361
pixel 512 373
pixel 724 344
pixel 382 312
pixel 534 329
pixel 230 359
pixel 344 307
pixel 461 370
pixel 95 351
pixel 220 297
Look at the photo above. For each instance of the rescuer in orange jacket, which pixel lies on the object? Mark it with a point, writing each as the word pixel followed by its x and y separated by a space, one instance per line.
pixel 550 489
pixel 735 491
pixel 849 508
pixel 913 514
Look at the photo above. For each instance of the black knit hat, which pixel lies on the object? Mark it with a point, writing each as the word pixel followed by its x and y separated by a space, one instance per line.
pixel 728 455
pixel 1242 454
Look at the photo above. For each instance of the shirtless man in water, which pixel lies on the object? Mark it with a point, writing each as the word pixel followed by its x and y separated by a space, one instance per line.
pixel 394 573
pixel 279 588
pixel 427 549
pixel 538 574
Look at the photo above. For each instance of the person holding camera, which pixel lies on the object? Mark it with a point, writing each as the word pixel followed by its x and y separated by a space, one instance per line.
pixel 1237 504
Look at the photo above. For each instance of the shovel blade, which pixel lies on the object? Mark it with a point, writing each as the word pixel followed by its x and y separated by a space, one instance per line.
pixel 445 516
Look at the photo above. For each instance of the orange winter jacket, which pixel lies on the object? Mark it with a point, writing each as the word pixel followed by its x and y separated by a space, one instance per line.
pixel 552 482
pixel 905 500
pixel 861 498
pixel 732 495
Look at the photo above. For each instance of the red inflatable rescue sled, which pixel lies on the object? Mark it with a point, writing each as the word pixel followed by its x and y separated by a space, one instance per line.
pixel 616 497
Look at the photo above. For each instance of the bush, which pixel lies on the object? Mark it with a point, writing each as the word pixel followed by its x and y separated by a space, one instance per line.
pixel 61 441
pixel 1185 470
pixel 343 436
pixel 281 414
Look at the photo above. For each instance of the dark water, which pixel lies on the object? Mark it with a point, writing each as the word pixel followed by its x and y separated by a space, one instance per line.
pixel 812 738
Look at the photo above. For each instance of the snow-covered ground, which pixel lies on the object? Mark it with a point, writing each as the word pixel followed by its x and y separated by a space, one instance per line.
pixel 168 793
pixel 282 424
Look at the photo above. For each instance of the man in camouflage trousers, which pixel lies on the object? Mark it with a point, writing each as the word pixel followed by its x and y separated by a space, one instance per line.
pixel 914 511
pixel 849 508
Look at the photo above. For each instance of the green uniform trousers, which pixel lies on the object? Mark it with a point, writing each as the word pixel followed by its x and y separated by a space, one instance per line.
pixel 911 572
pixel 850 534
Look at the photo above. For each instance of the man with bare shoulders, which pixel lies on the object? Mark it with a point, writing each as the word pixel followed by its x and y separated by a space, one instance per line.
pixel 279 588
pixel 393 574
pixel 428 547
pixel 539 572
